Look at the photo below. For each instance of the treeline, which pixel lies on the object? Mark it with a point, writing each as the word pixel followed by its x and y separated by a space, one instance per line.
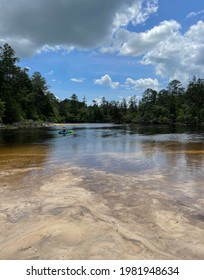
pixel 25 97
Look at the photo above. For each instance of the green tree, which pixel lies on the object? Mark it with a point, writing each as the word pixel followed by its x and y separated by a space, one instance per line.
pixel 146 106
pixel 176 92
pixel 2 110
pixel 195 100
pixel 8 66
pixel 39 101
pixel 9 84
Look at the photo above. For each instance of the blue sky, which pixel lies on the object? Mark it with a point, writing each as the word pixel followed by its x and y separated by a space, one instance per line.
pixel 103 48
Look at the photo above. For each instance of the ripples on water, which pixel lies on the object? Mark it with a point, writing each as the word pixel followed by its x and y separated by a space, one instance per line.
pixel 112 148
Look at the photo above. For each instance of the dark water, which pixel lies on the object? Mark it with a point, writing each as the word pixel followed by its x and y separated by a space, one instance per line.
pixel 178 152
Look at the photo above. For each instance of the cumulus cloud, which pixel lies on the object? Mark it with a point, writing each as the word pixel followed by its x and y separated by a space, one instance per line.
pixel 107 81
pixel 134 44
pixel 30 25
pixel 136 13
pixel 179 56
pixel 130 84
pixel 140 43
pixel 173 54
pixel 142 83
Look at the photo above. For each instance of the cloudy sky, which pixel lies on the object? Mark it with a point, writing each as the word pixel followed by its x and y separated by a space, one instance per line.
pixel 110 48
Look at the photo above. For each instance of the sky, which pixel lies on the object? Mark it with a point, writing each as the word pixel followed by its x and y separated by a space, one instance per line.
pixel 106 48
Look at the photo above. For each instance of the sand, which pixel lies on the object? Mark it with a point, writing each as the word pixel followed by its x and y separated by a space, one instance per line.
pixel 77 213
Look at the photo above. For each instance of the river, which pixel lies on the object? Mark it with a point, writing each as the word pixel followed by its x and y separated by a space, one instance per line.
pixel 104 192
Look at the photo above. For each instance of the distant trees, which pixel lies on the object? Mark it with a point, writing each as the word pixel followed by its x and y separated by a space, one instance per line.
pixel 174 104
pixel 24 97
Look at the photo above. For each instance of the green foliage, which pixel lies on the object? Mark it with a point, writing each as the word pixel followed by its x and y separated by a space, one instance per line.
pixel 2 110
pixel 24 97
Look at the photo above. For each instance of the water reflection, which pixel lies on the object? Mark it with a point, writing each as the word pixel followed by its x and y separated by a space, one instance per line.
pixel 114 148
pixel 24 136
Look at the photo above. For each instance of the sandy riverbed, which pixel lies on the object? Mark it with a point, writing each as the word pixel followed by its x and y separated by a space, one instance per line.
pixel 74 213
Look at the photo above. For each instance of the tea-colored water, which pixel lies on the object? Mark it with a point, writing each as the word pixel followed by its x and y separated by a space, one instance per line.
pixel 106 192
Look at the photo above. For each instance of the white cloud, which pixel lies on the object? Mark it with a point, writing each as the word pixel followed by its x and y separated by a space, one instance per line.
pixel 140 43
pixel 31 26
pixel 179 56
pixel 136 13
pixel 173 54
pixel 134 44
pixel 142 83
pixel 130 84
pixel 107 81
pixel 98 100
pixel 193 14
pixel 77 80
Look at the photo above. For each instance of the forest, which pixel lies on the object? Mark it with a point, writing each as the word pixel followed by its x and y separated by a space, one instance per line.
pixel 24 97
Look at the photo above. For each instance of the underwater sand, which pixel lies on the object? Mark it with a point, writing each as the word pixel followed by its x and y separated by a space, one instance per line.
pixel 80 213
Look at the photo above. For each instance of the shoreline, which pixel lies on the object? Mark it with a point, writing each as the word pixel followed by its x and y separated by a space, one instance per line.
pixel 33 125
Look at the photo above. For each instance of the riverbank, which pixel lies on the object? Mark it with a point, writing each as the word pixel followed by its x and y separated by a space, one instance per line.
pixel 25 124
pixel 35 124
pixel 32 124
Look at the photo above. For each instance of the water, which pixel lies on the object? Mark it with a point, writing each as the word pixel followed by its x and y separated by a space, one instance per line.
pixel 174 154
pixel 105 192
pixel 178 152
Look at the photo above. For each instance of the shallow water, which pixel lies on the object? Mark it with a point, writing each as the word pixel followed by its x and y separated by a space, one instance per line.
pixel 137 187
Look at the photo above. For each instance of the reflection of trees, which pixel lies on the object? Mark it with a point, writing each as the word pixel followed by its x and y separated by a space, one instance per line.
pixel 22 136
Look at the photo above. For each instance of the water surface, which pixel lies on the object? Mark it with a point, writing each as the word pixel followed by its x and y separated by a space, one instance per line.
pixel 140 187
